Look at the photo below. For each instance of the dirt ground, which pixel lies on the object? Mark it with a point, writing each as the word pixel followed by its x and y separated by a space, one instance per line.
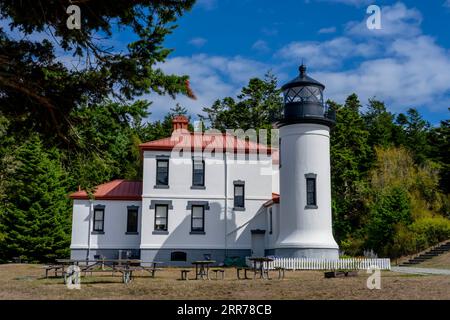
pixel 27 282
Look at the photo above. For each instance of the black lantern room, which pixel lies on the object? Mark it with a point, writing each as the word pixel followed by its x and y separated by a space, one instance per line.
pixel 303 102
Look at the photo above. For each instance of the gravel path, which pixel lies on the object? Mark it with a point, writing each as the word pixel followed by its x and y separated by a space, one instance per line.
pixel 420 270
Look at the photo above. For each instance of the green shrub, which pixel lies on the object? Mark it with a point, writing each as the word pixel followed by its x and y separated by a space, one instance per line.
pixel 404 242
pixel 352 246
pixel 431 231
pixel 391 209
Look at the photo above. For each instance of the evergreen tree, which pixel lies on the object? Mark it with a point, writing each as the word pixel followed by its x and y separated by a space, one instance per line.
pixel 390 212
pixel 415 134
pixel 36 210
pixel 257 106
pixel 39 92
pixel 380 124
pixel 439 141
pixel 350 152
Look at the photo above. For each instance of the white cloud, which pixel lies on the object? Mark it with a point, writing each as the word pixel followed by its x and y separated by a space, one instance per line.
pixel 396 21
pixel 413 76
pixel 327 30
pixel 447 4
pixel 198 42
pixel 400 65
pixel 327 53
pixel 261 46
pixel 211 78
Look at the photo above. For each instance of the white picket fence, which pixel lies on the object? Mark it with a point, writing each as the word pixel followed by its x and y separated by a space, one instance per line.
pixel 322 264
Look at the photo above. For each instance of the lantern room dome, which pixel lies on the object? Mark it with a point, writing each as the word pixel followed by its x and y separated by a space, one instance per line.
pixel 303 102
pixel 302 80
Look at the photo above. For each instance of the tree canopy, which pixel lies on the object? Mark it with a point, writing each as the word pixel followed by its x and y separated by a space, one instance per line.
pixel 39 91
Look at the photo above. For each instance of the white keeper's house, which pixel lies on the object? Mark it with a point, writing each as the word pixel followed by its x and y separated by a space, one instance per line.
pixel 217 195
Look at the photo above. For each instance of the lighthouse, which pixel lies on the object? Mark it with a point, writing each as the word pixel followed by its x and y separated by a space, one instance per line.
pixel 305 181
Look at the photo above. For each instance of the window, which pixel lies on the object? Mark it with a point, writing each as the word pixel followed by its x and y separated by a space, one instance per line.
pixel 198 219
pixel 311 196
pixel 162 172
pixel 270 221
pixel 99 219
pixel 198 173
pixel 161 211
pixel 239 195
pixel 178 256
pixel 132 220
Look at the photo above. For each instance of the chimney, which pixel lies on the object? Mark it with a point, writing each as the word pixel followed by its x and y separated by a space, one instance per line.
pixel 180 123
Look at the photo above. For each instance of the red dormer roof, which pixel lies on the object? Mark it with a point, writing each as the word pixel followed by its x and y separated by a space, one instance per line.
pixel 275 199
pixel 182 139
pixel 114 190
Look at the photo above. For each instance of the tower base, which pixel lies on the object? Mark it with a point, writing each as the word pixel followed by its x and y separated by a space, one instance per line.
pixel 309 253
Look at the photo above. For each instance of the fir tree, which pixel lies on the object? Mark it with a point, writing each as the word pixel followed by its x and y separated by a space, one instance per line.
pixel 36 209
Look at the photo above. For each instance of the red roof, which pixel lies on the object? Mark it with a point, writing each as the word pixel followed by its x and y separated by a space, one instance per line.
pixel 114 190
pixel 182 139
pixel 275 199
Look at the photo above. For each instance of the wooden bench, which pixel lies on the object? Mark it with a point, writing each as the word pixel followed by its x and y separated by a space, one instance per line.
pixel 184 273
pixel 217 271
pixel 151 270
pixel 245 269
pixel 340 274
pixel 127 272
pixel 55 268
pixel 280 272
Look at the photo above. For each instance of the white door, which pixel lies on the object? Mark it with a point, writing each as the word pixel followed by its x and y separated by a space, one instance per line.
pixel 258 245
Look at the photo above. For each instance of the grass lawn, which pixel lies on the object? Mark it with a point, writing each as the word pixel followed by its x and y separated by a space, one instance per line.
pixel 21 281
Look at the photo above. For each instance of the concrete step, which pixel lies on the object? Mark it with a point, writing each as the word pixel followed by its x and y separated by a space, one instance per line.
pixel 438 250
pixel 425 257
pixel 420 258
pixel 430 255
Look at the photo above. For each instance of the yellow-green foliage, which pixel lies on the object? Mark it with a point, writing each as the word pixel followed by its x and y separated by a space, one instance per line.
pixel 431 230
pixel 395 168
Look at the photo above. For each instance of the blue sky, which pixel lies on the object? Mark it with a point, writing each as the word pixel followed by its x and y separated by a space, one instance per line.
pixel 223 43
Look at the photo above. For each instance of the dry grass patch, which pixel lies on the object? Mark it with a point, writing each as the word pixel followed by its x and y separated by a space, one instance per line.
pixel 26 282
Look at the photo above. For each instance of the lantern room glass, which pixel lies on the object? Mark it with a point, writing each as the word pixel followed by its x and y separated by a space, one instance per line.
pixel 303 94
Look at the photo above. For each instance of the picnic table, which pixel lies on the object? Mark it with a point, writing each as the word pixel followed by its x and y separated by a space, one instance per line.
pixel 202 268
pixel 123 266
pixel 153 268
pixel 260 267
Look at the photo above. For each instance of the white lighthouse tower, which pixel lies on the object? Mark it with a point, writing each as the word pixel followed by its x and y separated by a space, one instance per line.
pixel 305 182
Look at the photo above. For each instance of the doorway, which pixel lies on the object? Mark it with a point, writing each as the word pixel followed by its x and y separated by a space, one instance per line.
pixel 258 243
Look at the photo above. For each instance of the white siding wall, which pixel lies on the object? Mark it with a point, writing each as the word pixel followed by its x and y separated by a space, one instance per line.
pixel 115 226
pixel 258 189
pixel 272 238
